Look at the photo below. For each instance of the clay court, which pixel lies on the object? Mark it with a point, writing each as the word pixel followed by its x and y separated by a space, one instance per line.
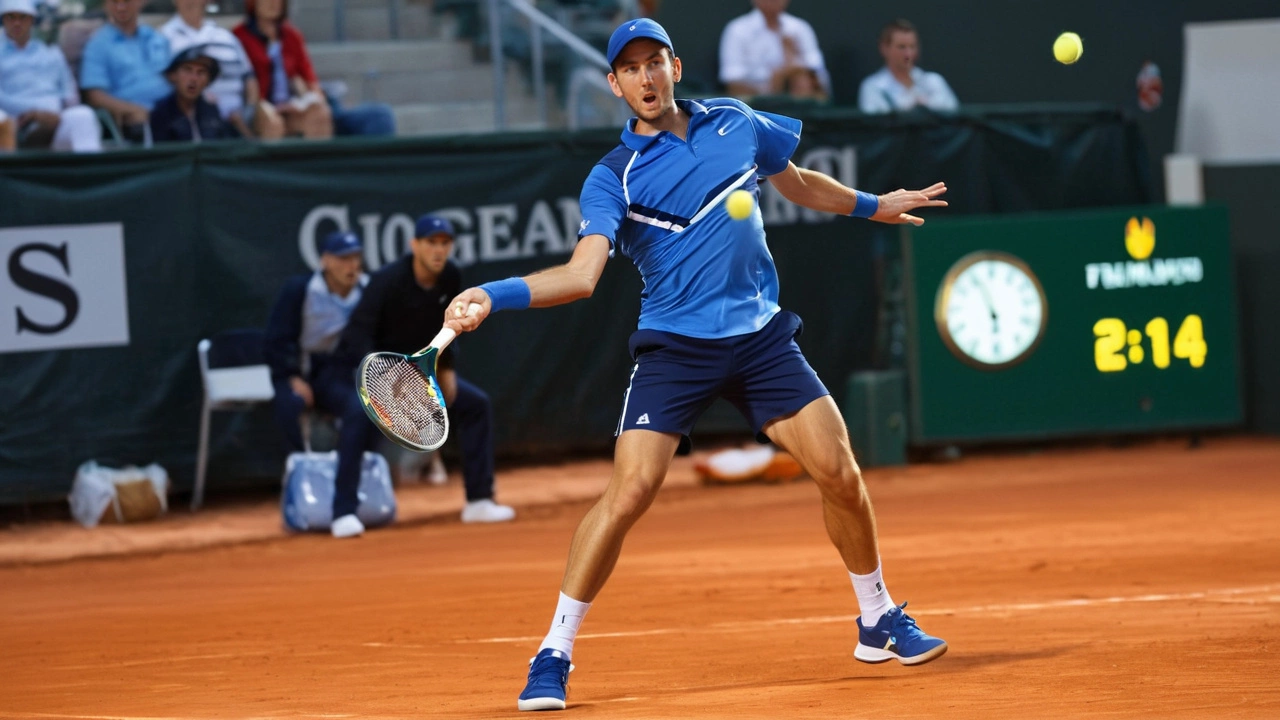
pixel 1095 581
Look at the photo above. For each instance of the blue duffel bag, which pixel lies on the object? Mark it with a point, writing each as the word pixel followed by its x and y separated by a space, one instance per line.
pixel 307 496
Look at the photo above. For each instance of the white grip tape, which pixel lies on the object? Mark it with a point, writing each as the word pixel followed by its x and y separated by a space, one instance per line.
pixel 447 335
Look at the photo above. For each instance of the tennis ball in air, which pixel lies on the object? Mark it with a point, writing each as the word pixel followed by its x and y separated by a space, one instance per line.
pixel 1068 48
pixel 739 204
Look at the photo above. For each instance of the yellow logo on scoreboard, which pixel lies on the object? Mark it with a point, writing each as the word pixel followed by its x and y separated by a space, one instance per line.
pixel 1142 270
pixel 1140 238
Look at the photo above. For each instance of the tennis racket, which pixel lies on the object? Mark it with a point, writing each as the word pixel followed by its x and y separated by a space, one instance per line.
pixel 401 396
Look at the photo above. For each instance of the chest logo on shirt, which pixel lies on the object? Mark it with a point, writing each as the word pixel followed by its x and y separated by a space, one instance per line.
pixel 722 131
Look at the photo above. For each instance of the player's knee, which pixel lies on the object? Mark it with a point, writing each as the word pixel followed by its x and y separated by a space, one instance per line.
pixel 843 483
pixel 627 501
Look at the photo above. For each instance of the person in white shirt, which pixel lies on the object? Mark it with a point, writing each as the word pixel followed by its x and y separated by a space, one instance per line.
pixel 900 85
pixel 236 89
pixel 766 41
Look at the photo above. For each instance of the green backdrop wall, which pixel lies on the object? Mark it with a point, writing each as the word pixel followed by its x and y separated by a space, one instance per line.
pixel 211 231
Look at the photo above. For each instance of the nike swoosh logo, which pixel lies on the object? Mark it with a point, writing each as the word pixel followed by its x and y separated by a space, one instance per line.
pixel 722 131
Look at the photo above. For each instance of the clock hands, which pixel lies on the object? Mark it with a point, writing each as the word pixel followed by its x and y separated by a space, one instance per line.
pixel 991 306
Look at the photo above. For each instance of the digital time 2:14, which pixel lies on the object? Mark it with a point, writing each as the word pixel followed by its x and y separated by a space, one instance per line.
pixel 1117 346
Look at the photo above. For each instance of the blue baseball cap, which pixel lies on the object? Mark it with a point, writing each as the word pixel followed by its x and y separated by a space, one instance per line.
pixel 634 30
pixel 429 225
pixel 341 242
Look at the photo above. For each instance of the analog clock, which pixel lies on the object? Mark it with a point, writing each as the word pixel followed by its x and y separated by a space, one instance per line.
pixel 991 310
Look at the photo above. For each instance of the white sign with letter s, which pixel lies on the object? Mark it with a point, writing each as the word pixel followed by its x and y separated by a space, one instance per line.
pixel 62 286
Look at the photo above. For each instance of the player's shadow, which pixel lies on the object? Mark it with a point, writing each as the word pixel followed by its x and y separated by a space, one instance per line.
pixel 753 686
pixel 954 662
pixel 951 663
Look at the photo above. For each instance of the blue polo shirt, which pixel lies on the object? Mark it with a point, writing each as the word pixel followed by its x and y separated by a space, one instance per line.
pixel 130 68
pixel 34 77
pixel 660 201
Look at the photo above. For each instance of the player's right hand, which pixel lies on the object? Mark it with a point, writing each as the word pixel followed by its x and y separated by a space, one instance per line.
pixel 461 317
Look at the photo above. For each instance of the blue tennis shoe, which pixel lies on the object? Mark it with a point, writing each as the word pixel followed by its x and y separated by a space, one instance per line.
pixel 548 680
pixel 896 637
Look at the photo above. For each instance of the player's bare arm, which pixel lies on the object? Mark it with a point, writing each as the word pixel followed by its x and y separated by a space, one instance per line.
pixel 574 280
pixel 821 192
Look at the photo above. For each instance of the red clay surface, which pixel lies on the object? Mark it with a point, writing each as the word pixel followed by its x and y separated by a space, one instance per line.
pixel 1138 582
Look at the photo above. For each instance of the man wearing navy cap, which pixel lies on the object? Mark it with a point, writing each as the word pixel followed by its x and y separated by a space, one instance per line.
pixel 402 309
pixel 302 333
pixel 710 326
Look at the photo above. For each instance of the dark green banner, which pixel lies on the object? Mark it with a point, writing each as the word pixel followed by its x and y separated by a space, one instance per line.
pixel 1072 323
pixel 117 265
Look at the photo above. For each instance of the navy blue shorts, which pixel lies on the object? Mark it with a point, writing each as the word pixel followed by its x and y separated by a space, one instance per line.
pixel 676 378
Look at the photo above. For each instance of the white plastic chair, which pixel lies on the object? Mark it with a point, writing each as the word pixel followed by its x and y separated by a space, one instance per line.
pixel 235 378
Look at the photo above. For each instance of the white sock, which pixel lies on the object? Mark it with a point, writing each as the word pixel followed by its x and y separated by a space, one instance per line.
pixel 873 597
pixel 564 626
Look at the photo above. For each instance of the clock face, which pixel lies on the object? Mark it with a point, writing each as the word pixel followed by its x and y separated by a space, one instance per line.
pixel 991 310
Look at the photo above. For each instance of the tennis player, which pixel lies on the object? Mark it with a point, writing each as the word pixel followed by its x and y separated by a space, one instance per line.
pixel 709 326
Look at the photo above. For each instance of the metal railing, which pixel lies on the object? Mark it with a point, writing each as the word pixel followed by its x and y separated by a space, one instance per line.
pixel 540 22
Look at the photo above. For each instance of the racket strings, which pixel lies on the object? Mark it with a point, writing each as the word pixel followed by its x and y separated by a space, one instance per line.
pixel 406 401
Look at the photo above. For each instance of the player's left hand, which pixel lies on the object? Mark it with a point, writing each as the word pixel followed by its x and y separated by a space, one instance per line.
pixel 455 313
pixel 895 207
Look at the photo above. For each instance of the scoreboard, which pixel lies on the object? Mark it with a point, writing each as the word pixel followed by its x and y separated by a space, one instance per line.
pixel 1071 323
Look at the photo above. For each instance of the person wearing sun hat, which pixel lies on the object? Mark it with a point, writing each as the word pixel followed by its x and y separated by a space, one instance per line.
pixel 185 115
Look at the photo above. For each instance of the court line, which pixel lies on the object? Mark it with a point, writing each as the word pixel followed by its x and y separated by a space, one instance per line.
pixel 180 658
pixel 975 609
pixel 60 716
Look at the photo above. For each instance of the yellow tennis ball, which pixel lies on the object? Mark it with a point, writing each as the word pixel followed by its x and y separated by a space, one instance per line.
pixel 739 204
pixel 1068 48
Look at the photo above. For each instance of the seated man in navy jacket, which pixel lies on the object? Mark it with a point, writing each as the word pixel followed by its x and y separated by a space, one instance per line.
pixel 185 115
pixel 306 322
pixel 302 334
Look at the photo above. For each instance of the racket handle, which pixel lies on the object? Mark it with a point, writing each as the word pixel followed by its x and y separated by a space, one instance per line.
pixel 447 335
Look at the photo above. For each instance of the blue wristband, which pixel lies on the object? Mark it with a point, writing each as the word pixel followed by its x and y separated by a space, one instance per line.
pixel 867 205
pixel 510 294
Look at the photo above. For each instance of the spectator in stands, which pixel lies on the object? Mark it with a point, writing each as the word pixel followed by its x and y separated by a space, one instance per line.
pixel 185 115
pixel 278 53
pixel 402 309
pixel 756 46
pixel 798 83
pixel 123 67
pixel 900 85
pixel 38 91
pixel 8 133
pixel 236 89
pixel 368 118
